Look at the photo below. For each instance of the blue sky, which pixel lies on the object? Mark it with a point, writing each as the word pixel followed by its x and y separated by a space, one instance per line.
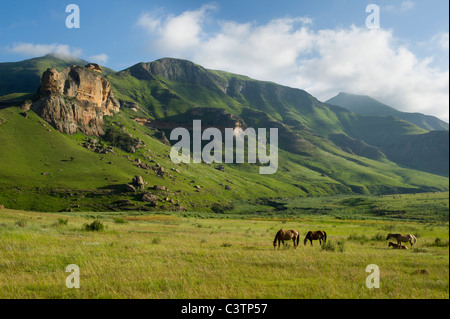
pixel 323 47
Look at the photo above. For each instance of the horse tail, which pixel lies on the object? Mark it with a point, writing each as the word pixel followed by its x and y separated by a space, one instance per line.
pixel 414 238
pixel 298 238
pixel 324 237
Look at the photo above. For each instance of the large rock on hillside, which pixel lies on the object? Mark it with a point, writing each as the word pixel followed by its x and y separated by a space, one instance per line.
pixel 75 99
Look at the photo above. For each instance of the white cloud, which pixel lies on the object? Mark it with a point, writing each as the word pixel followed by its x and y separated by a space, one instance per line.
pixel 323 62
pixel 60 50
pixel 33 50
pixel 177 33
pixel 99 58
pixel 403 7
pixel 442 39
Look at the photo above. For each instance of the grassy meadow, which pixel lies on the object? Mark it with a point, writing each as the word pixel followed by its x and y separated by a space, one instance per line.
pixel 192 255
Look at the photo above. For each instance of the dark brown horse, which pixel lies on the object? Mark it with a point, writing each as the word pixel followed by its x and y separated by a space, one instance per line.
pixel 403 238
pixel 283 235
pixel 316 235
pixel 396 246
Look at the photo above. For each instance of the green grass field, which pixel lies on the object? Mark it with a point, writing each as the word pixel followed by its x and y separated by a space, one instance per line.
pixel 175 255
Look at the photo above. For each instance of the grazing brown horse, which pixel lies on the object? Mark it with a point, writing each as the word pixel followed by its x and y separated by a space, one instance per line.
pixel 403 238
pixel 314 235
pixel 283 235
pixel 395 246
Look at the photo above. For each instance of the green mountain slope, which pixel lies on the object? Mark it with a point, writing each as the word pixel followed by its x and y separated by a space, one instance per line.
pixel 42 169
pixel 366 105
pixel 324 149
pixel 170 87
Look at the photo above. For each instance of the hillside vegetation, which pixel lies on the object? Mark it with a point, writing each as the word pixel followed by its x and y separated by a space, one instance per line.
pixel 324 149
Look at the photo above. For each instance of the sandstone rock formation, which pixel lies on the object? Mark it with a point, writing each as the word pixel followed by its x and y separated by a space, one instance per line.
pixel 94 66
pixel 75 99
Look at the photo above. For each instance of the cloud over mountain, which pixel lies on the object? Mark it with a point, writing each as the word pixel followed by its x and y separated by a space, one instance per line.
pixel 291 52
pixel 33 50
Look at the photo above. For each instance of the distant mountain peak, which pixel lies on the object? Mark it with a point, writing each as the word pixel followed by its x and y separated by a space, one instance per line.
pixel 63 57
pixel 368 106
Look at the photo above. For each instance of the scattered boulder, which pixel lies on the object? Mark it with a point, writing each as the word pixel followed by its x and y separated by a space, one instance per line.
pixel 228 187
pixel 129 105
pixel 130 188
pixel 160 171
pixel 144 166
pixel 153 204
pixel 150 198
pixel 26 106
pixel 138 182
pixel 160 188
pixel 2 207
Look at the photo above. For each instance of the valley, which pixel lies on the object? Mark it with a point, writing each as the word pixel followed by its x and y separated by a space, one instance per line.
pixel 323 149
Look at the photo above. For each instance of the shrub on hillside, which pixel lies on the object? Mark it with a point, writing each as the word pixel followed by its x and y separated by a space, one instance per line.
pixel 94 226
pixel 118 138
pixel 328 246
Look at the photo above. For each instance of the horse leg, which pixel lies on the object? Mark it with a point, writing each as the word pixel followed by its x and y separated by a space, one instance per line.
pixel 320 242
pixel 293 240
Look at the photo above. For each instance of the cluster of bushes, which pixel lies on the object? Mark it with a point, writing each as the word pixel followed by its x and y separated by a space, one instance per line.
pixel 438 242
pixel 221 209
pixel 120 139
pixel 94 226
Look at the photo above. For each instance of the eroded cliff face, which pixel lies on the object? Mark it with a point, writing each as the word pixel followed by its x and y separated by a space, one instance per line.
pixel 75 99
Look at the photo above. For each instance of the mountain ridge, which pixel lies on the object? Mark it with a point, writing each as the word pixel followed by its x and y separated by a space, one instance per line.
pixel 366 105
pixel 324 149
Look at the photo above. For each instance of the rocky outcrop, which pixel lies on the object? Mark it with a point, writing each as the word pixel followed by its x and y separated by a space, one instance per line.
pixel 94 66
pixel 138 182
pixel 75 99
pixel 129 105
